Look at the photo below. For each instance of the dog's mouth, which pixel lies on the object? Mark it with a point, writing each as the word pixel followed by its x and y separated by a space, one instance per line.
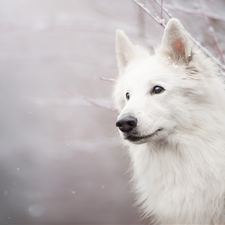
pixel 136 138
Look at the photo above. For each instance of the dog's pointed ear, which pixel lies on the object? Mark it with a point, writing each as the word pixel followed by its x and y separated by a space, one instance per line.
pixel 176 43
pixel 126 51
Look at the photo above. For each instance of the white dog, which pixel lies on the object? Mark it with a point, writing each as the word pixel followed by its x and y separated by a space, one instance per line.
pixel 172 117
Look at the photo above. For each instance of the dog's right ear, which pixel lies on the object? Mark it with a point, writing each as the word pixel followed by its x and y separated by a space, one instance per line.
pixel 126 51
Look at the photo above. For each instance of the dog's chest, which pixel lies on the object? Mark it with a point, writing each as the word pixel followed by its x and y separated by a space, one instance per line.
pixel 166 185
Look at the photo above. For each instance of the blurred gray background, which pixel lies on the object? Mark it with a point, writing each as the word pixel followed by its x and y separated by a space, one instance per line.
pixel 61 158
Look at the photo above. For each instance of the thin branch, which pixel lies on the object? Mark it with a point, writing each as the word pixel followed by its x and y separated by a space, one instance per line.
pixel 77 95
pixel 149 13
pixel 164 9
pixel 161 9
pixel 222 66
pixel 195 12
pixel 183 10
pixel 108 79
pixel 207 52
pixel 211 30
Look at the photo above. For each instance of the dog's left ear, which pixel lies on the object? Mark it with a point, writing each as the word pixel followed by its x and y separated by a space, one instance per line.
pixel 175 43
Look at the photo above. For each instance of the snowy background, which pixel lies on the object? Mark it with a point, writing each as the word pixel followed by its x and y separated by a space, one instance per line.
pixel 61 159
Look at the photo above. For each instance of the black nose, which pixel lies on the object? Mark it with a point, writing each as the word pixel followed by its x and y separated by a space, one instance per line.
pixel 126 123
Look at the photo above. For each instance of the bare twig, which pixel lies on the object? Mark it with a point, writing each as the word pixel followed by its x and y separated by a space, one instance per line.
pixel 161 9
pixel 149 13
pixel 164 9
pixel 195 12
pixel 211 30
pixel 207 52
pixel 183 10
pixel 77 95
pixel 108 79
pixel 221 66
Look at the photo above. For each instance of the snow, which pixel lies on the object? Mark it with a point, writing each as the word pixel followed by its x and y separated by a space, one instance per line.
pixel 211 29
pixel 162 21
pixel 175 66
pixel 36 210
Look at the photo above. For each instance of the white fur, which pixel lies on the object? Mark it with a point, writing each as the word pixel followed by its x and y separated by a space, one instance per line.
pixel 179 172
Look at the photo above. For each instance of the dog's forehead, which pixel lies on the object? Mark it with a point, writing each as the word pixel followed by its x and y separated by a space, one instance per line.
pixel 148 70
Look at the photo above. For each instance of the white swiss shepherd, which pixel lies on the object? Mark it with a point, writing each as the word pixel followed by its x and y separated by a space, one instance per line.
pixel 172 117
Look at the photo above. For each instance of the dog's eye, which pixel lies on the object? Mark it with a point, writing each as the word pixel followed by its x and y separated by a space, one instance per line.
pixel 127 96
pixel 157 90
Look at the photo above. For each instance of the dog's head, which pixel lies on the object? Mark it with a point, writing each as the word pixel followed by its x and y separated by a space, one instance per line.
pixel 155 94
